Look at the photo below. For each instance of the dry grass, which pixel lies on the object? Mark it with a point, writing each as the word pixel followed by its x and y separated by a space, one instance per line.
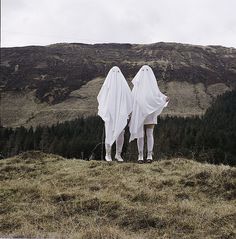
pixel 45 195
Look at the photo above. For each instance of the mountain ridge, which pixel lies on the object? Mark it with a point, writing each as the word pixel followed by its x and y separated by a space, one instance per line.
pixel 53 79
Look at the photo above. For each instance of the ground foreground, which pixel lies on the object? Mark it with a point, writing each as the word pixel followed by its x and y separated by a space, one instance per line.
pixel 47 196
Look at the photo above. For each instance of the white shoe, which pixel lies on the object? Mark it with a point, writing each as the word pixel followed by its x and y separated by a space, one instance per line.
pixel 108 158
pixel 119 158
pixel 140 159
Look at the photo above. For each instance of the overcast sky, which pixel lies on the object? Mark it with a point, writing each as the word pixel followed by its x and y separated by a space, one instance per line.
pixel 43 22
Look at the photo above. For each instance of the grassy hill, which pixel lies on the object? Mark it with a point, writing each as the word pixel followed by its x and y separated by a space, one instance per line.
pixel 45 195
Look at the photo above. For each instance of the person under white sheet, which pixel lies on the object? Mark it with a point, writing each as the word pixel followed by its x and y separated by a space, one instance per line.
pixel 114 107
pixel 148 103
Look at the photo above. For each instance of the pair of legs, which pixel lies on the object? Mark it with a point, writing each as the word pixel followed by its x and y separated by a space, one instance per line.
pixel 119 146
pixel 150 142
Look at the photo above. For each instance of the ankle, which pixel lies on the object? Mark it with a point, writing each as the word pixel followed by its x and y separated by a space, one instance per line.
pixel 149 155
pixel 118 153
pixel 140 153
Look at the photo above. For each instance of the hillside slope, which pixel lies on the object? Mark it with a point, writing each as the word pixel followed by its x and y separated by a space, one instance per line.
pixel 46 84
pixel 45 195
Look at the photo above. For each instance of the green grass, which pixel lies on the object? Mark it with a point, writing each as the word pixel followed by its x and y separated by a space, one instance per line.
pixel 45 195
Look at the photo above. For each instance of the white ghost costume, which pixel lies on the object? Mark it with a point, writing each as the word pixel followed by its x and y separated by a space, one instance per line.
pixel 148 103
pixel 114 107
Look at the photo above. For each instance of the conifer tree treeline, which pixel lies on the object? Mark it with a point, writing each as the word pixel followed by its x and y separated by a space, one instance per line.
pixel 210 138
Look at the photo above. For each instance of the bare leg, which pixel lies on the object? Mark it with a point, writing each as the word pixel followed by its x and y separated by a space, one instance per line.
pixel 149 126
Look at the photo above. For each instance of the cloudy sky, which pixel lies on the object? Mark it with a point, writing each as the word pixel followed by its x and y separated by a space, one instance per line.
pixel 43 22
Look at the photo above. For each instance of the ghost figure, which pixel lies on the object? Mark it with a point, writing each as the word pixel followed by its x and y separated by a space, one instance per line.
pixel 148 103
pixel 114 107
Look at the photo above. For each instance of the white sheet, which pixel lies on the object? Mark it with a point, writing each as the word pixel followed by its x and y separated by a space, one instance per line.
pixel 147 98
pixel 114 104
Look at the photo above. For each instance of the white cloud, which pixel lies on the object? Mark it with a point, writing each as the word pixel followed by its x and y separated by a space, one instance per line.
pixel 33 22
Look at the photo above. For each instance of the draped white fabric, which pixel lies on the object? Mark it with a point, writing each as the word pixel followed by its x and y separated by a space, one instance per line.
pixel 114 104
pixel 147 98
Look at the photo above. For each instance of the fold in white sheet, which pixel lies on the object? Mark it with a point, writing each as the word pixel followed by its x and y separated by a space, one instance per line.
pixel 147 98
pixel 114 104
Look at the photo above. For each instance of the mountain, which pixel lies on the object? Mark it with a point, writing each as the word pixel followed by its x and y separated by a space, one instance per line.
pixel 48 196
pixel 59 82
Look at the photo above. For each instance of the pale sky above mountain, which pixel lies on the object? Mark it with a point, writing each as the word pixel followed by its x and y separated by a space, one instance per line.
pixel 43 22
